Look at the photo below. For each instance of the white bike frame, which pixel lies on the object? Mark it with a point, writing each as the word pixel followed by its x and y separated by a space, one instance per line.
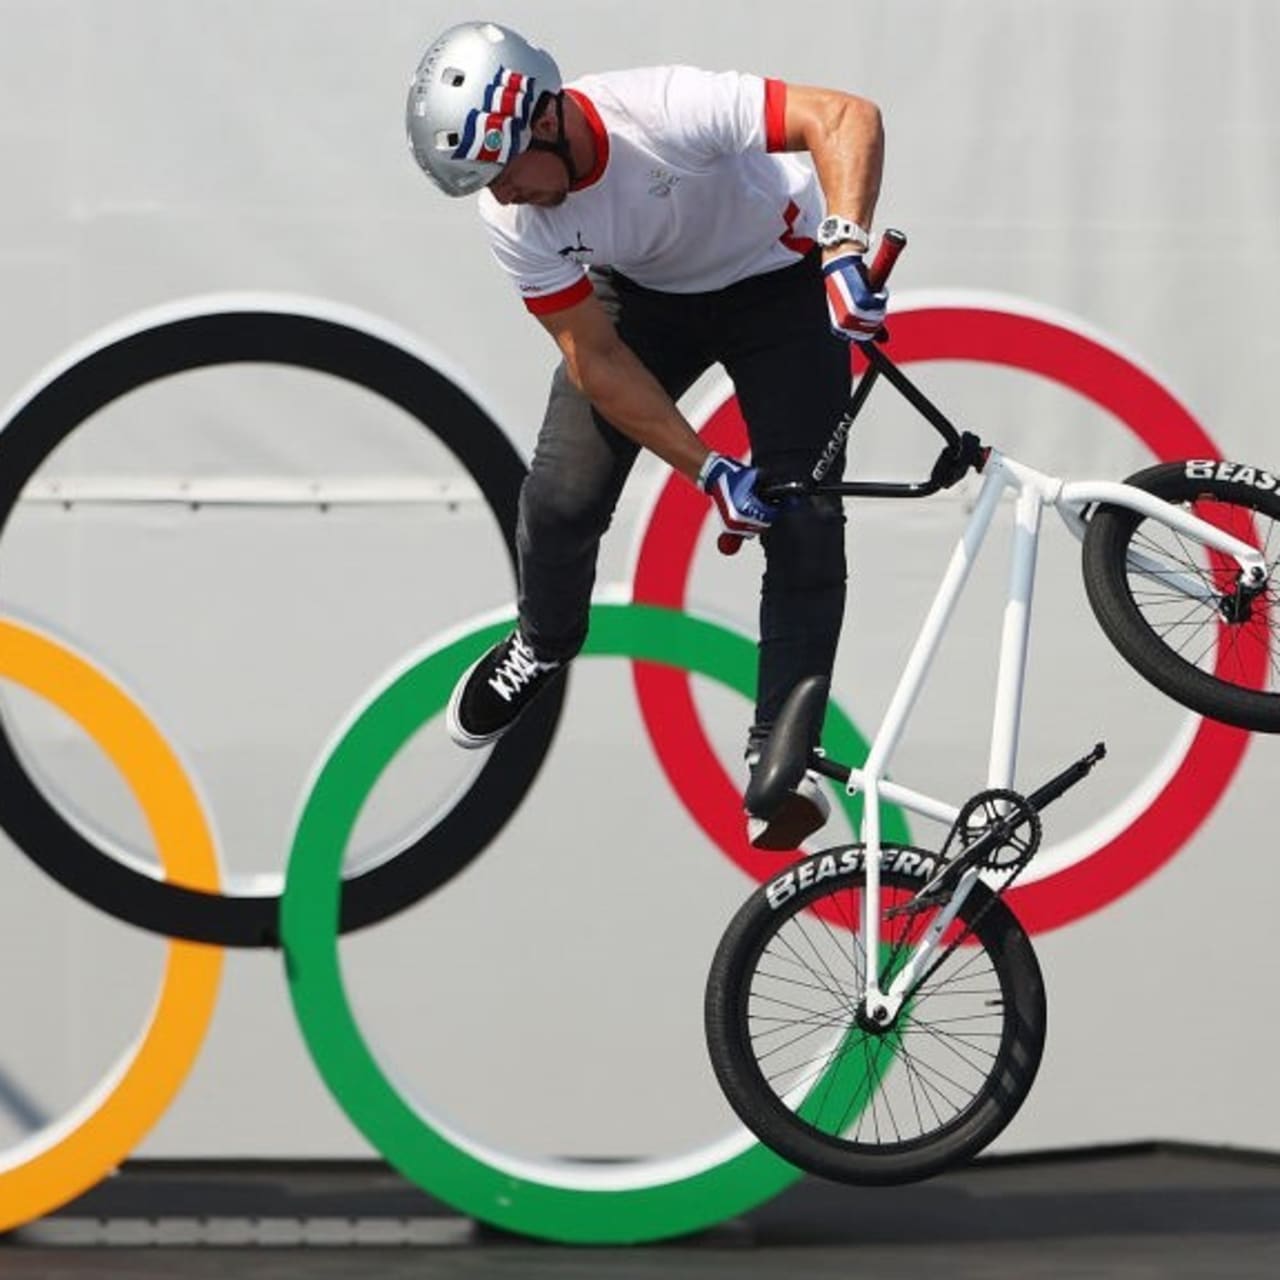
pixel 1035 491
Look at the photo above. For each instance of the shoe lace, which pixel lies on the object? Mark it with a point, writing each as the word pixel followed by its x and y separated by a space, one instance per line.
pixel 517 669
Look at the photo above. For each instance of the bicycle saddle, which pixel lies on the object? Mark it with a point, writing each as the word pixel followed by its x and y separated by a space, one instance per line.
pixel 785 755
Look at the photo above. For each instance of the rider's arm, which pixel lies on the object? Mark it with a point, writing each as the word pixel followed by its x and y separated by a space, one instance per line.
pixel 624 392
pixel 844 135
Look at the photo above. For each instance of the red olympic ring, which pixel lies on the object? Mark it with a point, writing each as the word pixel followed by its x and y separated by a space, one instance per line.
pixel 987 332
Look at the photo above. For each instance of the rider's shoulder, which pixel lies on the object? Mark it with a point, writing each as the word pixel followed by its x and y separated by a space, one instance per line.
pixel 661 99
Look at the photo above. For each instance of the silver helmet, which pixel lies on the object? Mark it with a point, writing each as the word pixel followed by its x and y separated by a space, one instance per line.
pixel 471 103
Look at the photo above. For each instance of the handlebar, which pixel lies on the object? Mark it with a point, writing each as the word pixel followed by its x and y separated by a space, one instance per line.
pixel 891 246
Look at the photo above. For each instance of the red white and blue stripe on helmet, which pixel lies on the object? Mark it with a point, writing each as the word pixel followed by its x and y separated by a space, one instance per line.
pixel 492 131
pixel 509 93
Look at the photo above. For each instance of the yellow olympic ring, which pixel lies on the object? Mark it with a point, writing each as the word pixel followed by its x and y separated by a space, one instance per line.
pixel 39 1176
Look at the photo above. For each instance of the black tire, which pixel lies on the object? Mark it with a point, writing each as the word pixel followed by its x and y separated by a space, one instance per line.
pixel 877 1109
pixel 1225 667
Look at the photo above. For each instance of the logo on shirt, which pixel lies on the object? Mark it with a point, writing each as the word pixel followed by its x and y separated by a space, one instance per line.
pixel 577 252
pixel 661 181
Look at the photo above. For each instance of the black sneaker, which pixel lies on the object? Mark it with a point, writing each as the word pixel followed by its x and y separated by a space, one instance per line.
pixel 490 697
pixel 804 811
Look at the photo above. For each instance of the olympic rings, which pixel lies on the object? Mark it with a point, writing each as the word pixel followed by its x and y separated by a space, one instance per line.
pixel 46 1171
pixel 348 346
pixel 643 1200
pixel 646 1200
pixel 1120 850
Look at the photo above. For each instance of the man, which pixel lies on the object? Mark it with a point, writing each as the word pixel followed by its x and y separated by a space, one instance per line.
pixel 654 222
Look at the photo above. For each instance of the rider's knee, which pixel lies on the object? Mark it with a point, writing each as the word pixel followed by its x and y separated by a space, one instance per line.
pixel 805 548
pixel 558 505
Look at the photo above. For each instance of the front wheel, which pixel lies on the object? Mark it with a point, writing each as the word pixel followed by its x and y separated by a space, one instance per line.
pixel 798 1061
pixel 1175 610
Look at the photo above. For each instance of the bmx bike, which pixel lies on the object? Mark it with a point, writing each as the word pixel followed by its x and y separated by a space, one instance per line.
pixel 876 1013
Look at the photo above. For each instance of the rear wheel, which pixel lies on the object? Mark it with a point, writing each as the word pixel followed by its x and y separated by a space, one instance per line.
pixel 835 1096
pixel 1215 651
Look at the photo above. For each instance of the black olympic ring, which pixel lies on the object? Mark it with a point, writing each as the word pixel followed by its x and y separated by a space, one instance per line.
pixel 444 409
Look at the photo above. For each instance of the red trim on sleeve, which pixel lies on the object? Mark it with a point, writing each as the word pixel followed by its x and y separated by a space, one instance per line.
pixel 599 135
pixel 775 115
pixel 561 299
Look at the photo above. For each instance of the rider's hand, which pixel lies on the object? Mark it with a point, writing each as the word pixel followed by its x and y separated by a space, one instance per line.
pixel 856 309
pixel 731 485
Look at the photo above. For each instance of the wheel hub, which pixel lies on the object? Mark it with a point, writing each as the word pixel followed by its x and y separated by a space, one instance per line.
pixel 1237 607
pixel 871 1025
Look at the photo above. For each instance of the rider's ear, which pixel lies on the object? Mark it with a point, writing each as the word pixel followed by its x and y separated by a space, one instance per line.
pixel 544 124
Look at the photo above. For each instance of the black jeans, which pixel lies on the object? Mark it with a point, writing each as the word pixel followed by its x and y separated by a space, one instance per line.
pixel 791 375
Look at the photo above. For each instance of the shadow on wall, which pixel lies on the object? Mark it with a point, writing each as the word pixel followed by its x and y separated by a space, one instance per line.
pixel 20 1106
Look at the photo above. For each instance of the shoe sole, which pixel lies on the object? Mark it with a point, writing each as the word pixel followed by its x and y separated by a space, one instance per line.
pixel 794 822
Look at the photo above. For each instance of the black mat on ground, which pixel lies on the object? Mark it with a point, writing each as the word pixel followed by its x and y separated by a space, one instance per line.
pixel 1148 1211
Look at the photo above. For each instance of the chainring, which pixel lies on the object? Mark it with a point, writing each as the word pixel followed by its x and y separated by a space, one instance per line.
pixel 996 829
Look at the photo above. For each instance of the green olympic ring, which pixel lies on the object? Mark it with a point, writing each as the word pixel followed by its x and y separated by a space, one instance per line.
pixel 564 1201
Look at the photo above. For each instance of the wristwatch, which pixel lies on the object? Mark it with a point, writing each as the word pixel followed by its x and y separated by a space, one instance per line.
pixel 834 230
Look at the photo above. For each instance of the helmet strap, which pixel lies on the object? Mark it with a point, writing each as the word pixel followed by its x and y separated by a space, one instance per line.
pixel 559 146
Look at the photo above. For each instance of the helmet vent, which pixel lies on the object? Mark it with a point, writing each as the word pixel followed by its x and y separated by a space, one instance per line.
pixel 453 77
pixel 447 139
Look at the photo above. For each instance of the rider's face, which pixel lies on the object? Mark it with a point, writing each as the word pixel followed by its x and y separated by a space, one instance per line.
pixel 533 177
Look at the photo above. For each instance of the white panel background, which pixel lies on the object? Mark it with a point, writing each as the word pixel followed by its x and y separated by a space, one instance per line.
pixel 1113 161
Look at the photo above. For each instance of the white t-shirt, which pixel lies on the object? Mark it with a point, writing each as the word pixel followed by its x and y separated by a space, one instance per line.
pixel 687 193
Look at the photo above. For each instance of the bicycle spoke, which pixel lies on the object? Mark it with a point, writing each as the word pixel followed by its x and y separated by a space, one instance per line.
pixel 820 1060
pixel 843 1004
pixel 919 1090
pixel 802 963
pixel 938 1080
pixel 794 982
pixel 1190 559
pixel 800 922
pixel 1204 653
pixel 818 1020
pixel 1188 638
pixel 961 1017
pixel 870 1075
pixel 842 1007
pixel 1187 560
pixel 951 1043
pixel 883 1097
pixel 1148 595
pixel 924 993
pixel 863 1086
pixel 815 1067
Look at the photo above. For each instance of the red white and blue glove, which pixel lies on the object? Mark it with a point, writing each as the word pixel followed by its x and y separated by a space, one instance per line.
pixel 731 485
pixel 856 309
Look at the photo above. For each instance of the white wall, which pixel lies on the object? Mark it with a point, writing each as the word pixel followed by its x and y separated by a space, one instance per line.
pixel 1116 162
